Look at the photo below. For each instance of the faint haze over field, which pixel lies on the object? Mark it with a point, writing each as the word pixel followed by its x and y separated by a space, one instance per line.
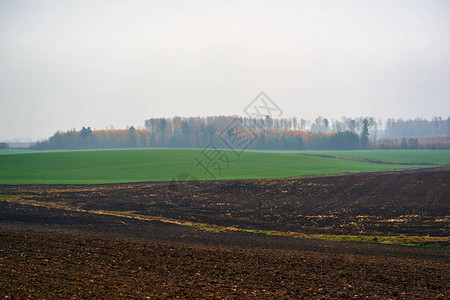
pixel 67 64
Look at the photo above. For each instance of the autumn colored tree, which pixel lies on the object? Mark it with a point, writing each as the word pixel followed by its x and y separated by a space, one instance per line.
pixel 280 133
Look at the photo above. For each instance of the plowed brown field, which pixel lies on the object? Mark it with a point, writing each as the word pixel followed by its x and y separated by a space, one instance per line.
pixel 126 241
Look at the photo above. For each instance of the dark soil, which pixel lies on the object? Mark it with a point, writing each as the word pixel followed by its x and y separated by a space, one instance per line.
pixel 53 253
pixel 57 265
pixel 374 204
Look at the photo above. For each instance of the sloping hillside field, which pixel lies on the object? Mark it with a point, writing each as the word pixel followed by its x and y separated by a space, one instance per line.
pixel 378 204
pixel 379 227
pixel 113 166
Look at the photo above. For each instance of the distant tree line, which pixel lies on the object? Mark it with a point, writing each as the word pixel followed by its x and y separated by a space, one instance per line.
pixel 264 134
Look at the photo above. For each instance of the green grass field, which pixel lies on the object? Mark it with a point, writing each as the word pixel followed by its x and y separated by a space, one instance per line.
pixel 111 166
pixel 15 151
pixel 439 157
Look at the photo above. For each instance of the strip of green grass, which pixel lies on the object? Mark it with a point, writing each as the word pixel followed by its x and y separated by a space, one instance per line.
pixel 76 167
pixel 419 241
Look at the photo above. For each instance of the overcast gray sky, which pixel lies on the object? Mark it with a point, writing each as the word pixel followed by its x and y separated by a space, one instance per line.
pixel 67 64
